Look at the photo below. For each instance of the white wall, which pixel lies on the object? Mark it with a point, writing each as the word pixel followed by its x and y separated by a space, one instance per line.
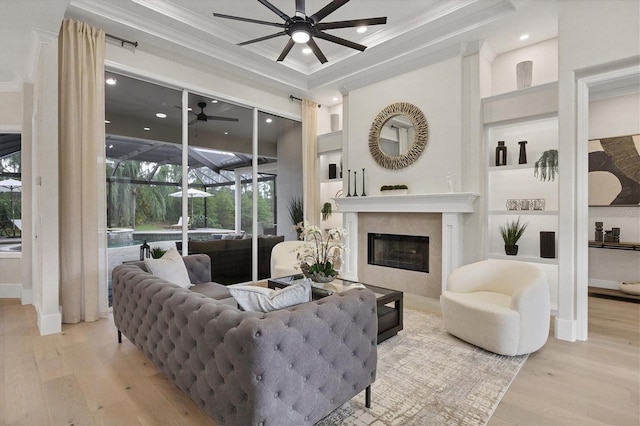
pixel 593 37
pixel 617 116
pixel 545 66
pixel 436 90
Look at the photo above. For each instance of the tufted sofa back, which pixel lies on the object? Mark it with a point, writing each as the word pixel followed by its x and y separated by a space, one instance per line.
pixel 288 367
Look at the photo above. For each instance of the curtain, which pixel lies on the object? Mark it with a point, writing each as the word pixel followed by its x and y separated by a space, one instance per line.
pixel 81 170
pixel 309 161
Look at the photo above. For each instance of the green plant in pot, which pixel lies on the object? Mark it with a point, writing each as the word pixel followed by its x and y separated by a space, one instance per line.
pixel 326 211
pixel 157 252
pixel 296 212
pixel 511 233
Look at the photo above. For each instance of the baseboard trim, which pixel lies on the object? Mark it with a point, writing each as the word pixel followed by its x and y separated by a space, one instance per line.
pixel 10 291
pixel 49 324
pixel 565 330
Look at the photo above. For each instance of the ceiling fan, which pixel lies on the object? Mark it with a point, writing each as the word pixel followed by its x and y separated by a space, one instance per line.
pixel 303 29
pixel 201 116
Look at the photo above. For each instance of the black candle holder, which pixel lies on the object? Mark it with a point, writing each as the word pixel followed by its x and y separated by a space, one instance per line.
pixel 363 193
pixel 355 183
pixel 349 183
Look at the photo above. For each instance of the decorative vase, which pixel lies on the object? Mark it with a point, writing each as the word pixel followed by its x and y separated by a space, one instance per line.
pixel 333 171
pixel 511 250
pixel 522 159
pixel 524 74
pixel 501 154
pixel 547 244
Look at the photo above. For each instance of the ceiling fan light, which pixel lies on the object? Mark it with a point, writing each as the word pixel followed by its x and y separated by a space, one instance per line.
pixel 300 36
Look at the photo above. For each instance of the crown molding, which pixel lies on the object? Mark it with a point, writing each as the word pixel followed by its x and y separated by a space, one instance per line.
pixel 39 38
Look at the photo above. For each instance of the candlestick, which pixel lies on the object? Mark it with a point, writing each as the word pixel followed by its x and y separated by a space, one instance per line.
pixel 363 193
pixel 349 183
pixel 355 183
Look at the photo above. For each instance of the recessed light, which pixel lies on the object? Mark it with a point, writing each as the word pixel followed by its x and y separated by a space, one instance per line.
pixel 361 30
pixel 189 109
pixel 147 129
pixel 107 122
pixel 111 146
pixel 214 101
pixel 226 133
pixel 307 51
pixel 524 36
pixel 161 115
pixel 335 99
pixel 269 120
pixel 111 81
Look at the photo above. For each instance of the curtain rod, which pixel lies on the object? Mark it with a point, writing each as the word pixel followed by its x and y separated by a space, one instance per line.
pixel 122 41
pixel 291 97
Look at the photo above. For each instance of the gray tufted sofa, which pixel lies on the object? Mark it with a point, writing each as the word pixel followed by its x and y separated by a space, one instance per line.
pixel 287 367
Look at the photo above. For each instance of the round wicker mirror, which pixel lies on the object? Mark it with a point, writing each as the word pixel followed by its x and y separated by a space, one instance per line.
pixel 419 130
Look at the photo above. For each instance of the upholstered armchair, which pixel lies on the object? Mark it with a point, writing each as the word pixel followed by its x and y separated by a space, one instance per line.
pixel 499 305
pixel 283 258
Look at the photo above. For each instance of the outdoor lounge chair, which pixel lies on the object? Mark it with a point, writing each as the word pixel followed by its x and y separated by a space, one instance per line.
pixel 179 224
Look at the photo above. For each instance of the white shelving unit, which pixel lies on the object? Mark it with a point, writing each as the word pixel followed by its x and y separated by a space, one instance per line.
pixel 527 115
pixel 330 152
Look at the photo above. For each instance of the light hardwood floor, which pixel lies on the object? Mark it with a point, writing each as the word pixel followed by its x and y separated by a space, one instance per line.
pixel 82 376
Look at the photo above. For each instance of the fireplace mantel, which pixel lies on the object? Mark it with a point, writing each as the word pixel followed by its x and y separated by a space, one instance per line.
pixel 451 205
pixel 446 202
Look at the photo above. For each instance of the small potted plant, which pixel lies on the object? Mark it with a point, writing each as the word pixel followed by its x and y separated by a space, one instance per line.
pixel 511 233
pixel 157 252
pixel 326 211
pixel 395 189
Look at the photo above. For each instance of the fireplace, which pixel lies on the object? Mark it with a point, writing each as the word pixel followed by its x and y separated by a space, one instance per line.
pixel 398 251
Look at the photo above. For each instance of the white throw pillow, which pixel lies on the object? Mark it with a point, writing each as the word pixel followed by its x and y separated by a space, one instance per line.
pixel 261 299
pixel 170 267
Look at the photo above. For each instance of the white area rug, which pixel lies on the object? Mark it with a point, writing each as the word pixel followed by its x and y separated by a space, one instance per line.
pixel 428 377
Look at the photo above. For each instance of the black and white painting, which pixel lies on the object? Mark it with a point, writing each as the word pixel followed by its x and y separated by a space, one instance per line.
pixel 614 171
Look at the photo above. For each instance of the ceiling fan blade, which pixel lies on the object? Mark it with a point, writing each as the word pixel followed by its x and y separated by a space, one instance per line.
pixel 316 51
pixel 351 23
pixel 219 118
pixel 300 7
pixel 286 50
pixel 253 21
pixel 330 8
pixel 339 40
pixel 193 120
pixel 275 10
pixel 255 40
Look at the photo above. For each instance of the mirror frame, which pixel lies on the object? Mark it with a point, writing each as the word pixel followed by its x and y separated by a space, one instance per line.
pixel 419 143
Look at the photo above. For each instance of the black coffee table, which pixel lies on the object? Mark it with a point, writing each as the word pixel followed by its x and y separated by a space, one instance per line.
pixel 389 301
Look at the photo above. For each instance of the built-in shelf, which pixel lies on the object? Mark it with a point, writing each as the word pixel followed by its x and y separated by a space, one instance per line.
pixel 615 246
pixel 523 212
pixel 530 259
pixel 510 167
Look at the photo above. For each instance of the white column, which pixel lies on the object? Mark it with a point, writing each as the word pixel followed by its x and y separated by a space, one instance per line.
pixel 451 245
pixel 350 256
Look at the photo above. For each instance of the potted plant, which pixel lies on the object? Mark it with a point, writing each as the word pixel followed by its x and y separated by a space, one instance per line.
pixel 397 189
pixel 296 212
pixel 547 165
pixel 326 211
pixel 511 233
pixel 319 256
pixel 157 252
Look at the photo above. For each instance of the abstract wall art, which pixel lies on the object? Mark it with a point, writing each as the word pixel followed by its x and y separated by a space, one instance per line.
pixel 614 171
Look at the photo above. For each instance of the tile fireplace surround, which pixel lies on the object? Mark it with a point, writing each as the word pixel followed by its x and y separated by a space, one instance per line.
pixel 438 216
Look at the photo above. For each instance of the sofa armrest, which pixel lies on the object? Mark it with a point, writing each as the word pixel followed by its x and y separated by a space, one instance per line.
pixel 199 268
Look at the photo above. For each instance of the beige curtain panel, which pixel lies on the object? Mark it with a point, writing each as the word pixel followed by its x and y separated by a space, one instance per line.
pixel 309 163
pixel 81 168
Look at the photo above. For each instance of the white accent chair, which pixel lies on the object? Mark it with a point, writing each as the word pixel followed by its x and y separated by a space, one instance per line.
pixel 283 259
pixel 179 224
pixel 499 305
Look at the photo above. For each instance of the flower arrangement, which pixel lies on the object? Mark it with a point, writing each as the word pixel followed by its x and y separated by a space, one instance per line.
pixel 319 256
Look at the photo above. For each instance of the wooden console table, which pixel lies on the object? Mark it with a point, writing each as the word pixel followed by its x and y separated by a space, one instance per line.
pixel 615 246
